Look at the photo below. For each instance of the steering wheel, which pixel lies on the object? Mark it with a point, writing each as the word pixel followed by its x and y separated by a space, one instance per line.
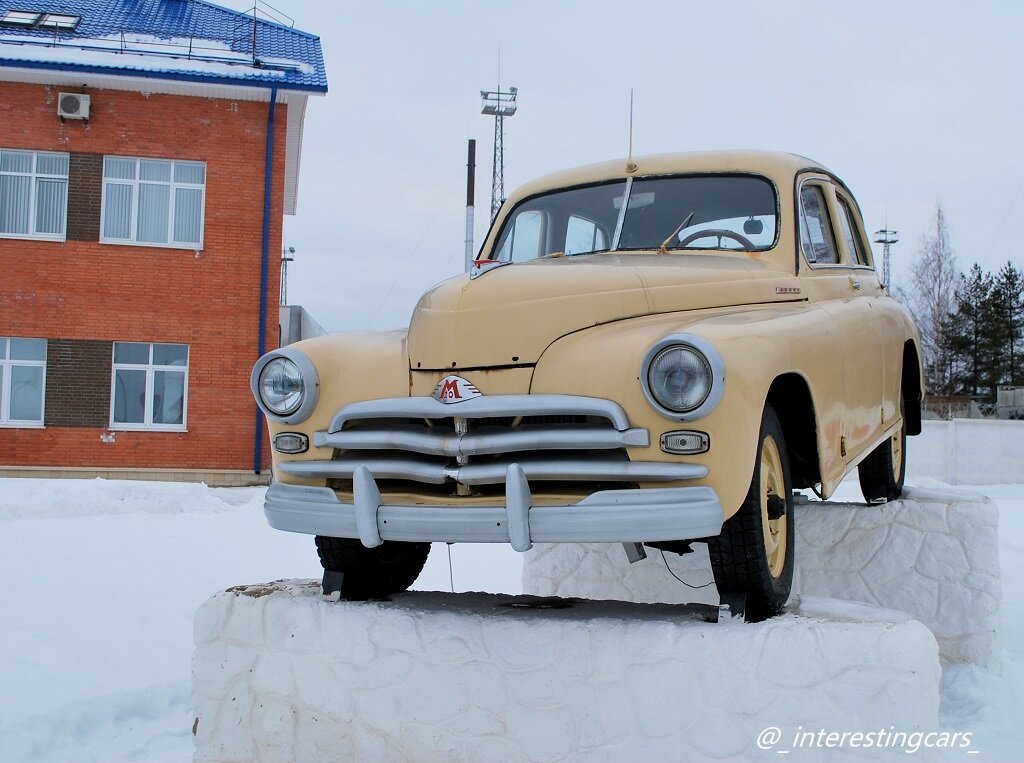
pixel 719 233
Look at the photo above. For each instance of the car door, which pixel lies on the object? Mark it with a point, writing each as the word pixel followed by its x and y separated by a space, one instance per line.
pixel 843 288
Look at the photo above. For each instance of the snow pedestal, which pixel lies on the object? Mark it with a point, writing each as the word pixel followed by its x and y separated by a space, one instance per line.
pixel 933 554
pixel 279 674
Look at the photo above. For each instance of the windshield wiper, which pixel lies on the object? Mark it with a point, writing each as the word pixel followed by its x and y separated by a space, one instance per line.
pixel 663 249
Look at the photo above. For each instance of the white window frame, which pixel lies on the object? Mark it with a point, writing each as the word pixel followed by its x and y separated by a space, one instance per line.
pixel 35 176
pixel 65 22
pixel 6 379
pixel 172 185
pixel 20 18
pixel 150 368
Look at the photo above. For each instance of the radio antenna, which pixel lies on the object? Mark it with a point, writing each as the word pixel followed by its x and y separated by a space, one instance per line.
pixel 630 164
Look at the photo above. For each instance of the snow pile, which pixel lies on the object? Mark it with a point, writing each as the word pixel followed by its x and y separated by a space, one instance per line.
pixel 282 675
pixel 45 499
pixel 933 555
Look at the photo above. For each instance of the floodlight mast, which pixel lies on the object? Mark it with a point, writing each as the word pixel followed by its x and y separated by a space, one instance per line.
pixel 499 104
pixel 287 255
pixel 886 238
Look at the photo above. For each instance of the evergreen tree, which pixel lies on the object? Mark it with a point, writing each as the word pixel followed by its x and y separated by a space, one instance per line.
pixel 1008 319
pixel 973 341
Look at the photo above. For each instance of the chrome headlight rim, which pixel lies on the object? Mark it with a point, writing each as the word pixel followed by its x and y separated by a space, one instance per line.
pixel 708 353
pixel 310 381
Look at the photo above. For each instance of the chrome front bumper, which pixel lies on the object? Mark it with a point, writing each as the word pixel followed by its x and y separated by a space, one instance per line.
pixel 607 516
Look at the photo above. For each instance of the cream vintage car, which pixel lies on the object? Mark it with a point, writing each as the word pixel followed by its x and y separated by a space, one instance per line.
pixel 657 352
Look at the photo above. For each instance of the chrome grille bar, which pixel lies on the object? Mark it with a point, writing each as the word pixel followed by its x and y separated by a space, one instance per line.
pixel 449 444
pixel 492 406
pixel 562 469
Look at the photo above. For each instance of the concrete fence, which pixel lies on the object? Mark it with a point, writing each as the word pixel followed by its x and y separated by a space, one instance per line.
pixel 968 451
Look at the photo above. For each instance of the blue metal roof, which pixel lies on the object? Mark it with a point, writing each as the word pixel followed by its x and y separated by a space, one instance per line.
pixel 191 40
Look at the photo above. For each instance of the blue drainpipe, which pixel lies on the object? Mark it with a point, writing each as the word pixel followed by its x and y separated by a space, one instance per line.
pixel 265 268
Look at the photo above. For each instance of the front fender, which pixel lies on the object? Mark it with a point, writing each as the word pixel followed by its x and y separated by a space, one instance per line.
pixel 757 345
pixel 351 367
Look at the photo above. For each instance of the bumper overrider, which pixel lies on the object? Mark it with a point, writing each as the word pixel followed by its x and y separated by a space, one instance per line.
pixel 370 447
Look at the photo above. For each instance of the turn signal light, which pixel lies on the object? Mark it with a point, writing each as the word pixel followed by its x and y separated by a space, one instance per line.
pixel 685 443
pixel 291 442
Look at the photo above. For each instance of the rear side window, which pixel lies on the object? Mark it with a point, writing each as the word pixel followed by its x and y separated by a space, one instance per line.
pixel 816 238
pixel 854 242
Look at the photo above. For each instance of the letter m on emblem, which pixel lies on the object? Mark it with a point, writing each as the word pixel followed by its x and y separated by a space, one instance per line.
pixel 449 390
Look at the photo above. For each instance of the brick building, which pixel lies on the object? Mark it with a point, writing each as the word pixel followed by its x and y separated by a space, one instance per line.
pixel 144 176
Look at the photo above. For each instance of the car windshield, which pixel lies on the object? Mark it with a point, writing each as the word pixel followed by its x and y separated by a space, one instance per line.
pixel 730 212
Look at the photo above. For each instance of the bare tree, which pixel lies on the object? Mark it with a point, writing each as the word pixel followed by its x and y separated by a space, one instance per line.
pixel 930 296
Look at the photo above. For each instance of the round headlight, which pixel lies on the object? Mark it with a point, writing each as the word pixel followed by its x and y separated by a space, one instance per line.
pixel 680 378
pixel 281 386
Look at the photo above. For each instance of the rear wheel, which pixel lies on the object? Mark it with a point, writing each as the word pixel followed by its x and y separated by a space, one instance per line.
pixel 371 572
pixel 882 472
pixel 753 555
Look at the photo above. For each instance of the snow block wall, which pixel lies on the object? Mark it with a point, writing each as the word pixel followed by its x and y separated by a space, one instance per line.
pixel 934 555
pixel 280 674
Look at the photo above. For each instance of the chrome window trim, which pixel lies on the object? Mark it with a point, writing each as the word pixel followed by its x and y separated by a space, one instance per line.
pixel 622 215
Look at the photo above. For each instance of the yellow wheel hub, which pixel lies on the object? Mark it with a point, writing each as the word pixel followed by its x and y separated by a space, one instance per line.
pixel 773 484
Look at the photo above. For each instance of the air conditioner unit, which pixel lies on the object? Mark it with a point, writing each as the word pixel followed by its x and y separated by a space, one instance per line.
pixel 73 106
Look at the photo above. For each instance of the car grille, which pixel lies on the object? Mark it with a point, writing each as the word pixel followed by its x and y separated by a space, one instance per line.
pixel 468 447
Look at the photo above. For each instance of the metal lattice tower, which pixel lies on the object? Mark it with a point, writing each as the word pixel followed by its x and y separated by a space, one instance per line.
pixel 886 238
pixel 499 104
pixel 287 255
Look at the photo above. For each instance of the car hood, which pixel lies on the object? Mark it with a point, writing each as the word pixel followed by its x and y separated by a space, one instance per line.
pixel 508 316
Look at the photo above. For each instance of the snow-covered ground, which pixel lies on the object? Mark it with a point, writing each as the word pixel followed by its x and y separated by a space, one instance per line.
pixel 102 578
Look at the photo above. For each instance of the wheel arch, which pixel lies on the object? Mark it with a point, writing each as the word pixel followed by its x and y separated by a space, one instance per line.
pixel 790 397
pixel 912 387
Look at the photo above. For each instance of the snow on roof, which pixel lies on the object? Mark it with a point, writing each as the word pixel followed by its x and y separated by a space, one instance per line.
pixel 166 39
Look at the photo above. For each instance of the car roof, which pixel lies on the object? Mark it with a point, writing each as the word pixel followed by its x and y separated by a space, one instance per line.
pixel 777 165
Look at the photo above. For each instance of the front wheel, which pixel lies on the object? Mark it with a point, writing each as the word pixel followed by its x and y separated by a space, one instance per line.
pixel 372 572
pixel 753 555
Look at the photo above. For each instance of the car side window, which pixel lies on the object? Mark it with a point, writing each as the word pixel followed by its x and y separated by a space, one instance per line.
pixel 525 239
pixel 583 236
pixel 853 242
pixel 816 236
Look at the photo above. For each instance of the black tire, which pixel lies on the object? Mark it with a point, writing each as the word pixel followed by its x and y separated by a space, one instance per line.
pixel 882 473
pixel 372 572
pixel 753 555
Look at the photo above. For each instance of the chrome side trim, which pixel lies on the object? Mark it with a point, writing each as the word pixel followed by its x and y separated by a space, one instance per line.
pixel 487 406
pixel 612 516
pixel 570 469
pixel 454 445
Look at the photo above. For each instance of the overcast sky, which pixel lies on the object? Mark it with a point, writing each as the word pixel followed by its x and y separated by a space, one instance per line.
pixel 910 103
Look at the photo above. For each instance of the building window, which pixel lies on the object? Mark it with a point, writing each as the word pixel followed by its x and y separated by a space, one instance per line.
pixel 20 18
pixel 62 21
pixel 22 381
pixel 153 201
pixel 33 194
pixel 150 386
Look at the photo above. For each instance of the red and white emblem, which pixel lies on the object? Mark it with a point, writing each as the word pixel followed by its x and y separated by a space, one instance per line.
pixel 455 389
